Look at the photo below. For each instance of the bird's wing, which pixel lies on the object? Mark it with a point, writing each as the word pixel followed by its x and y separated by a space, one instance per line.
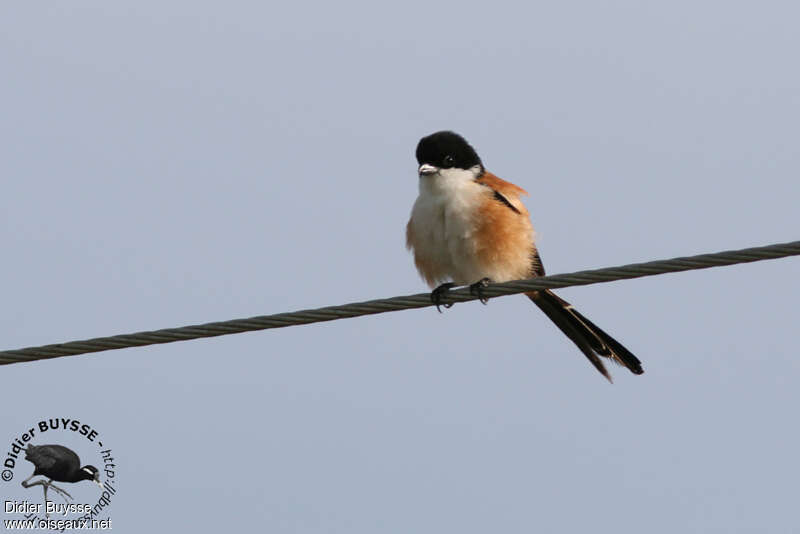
pixel 504 192
pixel 47 456
pixel 498 184
pixel 537 267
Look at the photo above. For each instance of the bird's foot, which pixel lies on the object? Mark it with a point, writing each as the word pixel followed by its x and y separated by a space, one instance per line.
pixel 64 494
pixel 477 289
pixel 438 293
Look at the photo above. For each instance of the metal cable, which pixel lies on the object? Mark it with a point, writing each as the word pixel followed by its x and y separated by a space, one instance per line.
pixel 420 300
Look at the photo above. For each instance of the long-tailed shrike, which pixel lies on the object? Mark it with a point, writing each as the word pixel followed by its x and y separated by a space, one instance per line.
pixel 468 226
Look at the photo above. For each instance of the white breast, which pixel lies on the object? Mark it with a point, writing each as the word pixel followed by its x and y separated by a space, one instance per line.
pixel 444 222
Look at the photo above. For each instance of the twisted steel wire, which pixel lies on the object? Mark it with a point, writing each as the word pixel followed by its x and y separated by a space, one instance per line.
pixel 419 300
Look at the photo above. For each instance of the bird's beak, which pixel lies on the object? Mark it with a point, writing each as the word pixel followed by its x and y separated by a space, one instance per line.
pixel 427 169
pixel 97 481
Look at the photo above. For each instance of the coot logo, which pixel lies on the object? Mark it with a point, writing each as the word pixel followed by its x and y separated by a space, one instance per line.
pixel 75 469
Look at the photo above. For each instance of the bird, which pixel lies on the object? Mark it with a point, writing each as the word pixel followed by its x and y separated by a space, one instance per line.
pixel 58 463
pixel 469 227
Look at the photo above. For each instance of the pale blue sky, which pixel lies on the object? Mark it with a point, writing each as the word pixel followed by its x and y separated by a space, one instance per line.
pixel 169 163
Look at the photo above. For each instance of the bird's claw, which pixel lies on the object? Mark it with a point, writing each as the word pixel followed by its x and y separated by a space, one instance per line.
pixel 477 289
pixel 64 494
pixel 438 293
pixel 49 485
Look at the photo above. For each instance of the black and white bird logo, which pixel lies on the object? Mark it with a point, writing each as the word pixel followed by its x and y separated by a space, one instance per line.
pixel 60 464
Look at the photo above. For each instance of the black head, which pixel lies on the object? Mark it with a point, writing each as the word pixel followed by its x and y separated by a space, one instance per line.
pixel 445 150
pixel 90 472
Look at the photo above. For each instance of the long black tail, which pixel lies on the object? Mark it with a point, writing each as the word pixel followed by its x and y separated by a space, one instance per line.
pixel 589 337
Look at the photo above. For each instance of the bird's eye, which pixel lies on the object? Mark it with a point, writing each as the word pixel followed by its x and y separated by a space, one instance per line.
pixel 449 161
